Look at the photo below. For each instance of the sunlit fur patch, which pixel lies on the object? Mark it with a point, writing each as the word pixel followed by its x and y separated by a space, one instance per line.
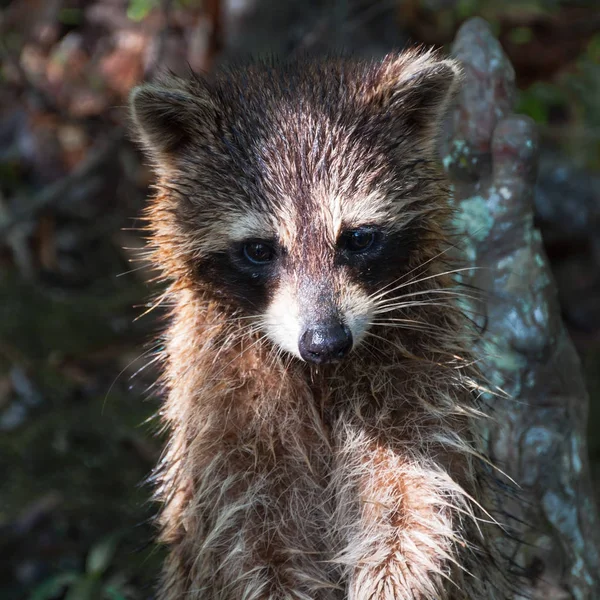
pixel 285 216
pixel 250 225
pixel 363 209
pixel 357 311
pixel 235 225
pixel 231 227
pixel 282 320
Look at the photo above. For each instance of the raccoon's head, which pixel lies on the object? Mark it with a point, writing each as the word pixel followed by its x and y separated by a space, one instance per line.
pixel 299 192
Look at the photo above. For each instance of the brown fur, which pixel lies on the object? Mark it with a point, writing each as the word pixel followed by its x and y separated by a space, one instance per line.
pixel 281 480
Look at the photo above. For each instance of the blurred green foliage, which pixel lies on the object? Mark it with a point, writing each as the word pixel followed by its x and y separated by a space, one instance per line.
pixel 70 16
pixel 92 583
pixel 574 93
pixel 138 10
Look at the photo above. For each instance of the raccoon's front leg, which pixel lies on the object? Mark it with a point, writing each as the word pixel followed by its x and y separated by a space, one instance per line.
pixel 404 526
pixel 251 529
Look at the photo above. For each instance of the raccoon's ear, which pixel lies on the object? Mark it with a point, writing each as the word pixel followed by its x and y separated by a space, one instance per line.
pixel 418 88
pixel 168 117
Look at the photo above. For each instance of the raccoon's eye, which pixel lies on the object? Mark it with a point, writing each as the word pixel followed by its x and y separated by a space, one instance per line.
pixel 358 240
pixel 259 253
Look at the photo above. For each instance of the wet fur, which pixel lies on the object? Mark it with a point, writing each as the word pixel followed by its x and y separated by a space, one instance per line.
pixel 360 480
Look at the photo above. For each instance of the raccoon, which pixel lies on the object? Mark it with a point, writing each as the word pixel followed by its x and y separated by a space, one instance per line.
pixel 320 398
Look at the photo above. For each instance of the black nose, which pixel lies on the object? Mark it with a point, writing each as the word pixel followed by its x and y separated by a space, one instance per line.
pixel 325 343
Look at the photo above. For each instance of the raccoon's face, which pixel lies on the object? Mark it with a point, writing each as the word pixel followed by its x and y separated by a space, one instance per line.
pixel 312 282
pixel 301 193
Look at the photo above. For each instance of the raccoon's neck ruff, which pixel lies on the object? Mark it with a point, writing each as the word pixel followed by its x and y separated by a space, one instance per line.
pixel 300 213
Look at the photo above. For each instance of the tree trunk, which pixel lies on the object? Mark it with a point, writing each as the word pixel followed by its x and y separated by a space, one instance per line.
pixel 537 430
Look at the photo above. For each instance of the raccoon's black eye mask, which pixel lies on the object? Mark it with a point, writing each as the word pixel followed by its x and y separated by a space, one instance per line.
pixel 256 258
pixel 244 272
pixel 259 252
pixel 363 241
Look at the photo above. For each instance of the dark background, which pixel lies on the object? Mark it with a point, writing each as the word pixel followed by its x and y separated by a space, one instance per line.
pixel 77 432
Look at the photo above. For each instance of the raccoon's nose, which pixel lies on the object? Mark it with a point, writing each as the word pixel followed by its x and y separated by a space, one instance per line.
pixel 325 343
